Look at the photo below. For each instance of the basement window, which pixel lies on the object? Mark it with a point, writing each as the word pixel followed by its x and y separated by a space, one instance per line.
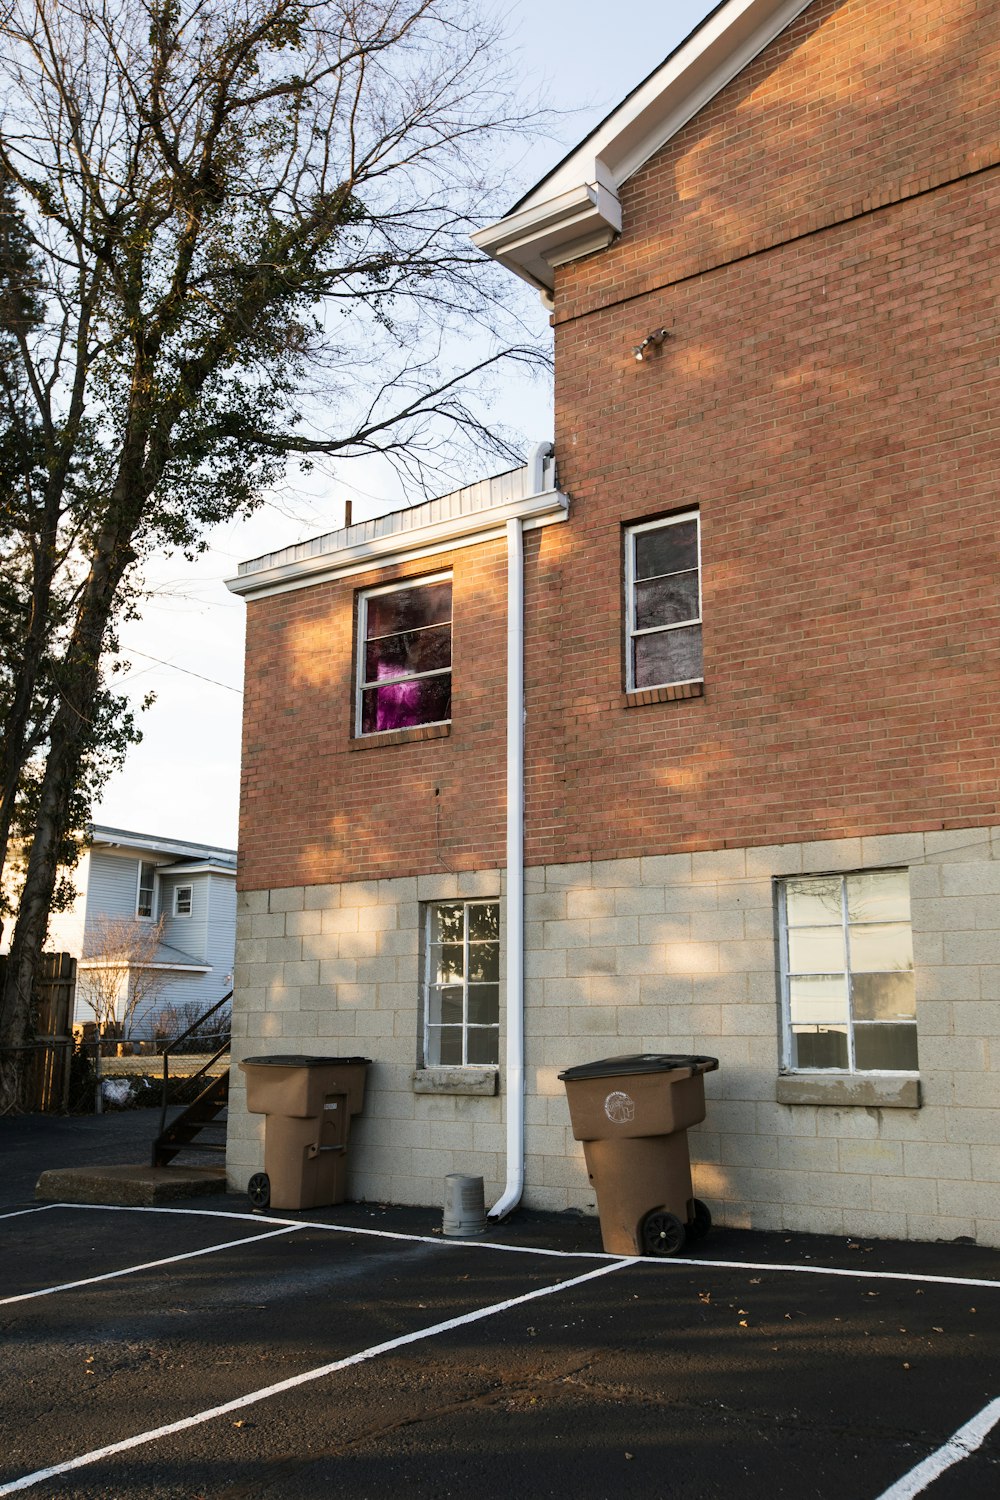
pixel 847 973
pixel 461 989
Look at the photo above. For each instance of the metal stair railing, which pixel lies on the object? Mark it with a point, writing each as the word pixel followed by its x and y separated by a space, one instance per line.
pixel 193 1077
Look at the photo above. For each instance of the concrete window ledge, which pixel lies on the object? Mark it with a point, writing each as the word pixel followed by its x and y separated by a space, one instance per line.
pixel 846 1090
pixel 482 1081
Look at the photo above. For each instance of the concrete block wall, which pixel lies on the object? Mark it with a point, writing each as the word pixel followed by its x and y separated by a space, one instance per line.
pixel 335 970
pixel 667 953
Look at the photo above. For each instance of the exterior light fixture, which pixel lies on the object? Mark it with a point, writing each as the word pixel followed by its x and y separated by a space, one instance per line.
pixel 655 338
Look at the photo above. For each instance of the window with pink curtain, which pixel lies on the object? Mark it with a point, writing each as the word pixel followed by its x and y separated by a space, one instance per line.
pixel 405 656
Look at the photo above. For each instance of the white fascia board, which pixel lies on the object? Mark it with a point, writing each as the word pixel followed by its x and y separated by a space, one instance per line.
pixel 123 840
pixel 543 231
pixel 113 963
pixel 532 242
pixel 422 541
pixel 198 867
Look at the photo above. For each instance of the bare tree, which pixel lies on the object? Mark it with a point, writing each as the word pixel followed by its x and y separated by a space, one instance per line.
pixel 230 230
pixel 118 976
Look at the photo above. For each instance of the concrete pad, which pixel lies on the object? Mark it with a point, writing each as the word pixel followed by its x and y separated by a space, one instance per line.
pixel 130 1186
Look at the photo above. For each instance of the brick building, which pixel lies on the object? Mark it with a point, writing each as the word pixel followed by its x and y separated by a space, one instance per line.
pixel 761 650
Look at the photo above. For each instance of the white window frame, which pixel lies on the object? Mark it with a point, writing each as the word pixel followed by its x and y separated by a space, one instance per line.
pixel 177 900
pixel 149 916
pixel 631 633
pixel 426 984
pixel 787 1047
pixel 359 665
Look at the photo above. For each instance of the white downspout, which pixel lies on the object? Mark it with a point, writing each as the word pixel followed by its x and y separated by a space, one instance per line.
pixel 514 1084
pixel 514 1080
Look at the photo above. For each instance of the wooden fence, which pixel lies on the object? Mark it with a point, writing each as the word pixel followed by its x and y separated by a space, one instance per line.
pixel 48 1081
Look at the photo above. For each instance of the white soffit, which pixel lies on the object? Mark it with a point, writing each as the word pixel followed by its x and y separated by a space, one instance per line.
pixel 575 209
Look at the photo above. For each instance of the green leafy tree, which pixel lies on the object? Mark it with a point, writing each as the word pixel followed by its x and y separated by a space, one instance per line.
pixel 232 230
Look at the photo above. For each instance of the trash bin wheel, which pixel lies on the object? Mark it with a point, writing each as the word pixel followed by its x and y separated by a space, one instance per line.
pixel 259 1190
pixel 662 1233
pixel 699 1226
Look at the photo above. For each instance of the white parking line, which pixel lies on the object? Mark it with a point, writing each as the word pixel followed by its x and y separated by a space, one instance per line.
pixel 251 1399
pixel 961 1444
pixel 382 1234
pixel 664 1263
pixel 148 1265
pixel 38 1209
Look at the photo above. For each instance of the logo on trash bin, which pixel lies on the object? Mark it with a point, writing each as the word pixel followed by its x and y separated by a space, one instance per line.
pixel 619 1108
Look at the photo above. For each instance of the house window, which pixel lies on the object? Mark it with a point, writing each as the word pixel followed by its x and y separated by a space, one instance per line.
pixel 663 602
pixel 183 901
pixel 147 890
pixel 461 992
pixel 847 972
pixel 404 656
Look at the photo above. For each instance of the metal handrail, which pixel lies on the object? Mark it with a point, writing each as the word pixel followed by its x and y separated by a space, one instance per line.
pixel 195 1025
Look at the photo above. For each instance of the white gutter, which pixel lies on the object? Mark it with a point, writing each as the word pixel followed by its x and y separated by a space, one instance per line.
pixel 514 1077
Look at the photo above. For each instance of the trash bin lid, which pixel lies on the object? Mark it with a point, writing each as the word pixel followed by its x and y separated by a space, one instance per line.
pixel 298 1060
pixel 642 1062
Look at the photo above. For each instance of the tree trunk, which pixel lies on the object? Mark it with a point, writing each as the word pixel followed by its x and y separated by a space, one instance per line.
pixel 68 739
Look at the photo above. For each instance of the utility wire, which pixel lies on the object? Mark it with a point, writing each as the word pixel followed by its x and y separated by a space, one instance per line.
pixel 186 670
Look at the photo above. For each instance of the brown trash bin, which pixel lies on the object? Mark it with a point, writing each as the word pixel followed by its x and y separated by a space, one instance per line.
pixel 632 1114
pixel 308 1102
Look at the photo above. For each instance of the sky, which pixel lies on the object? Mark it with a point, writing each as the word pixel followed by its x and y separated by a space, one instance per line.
pixel 182 781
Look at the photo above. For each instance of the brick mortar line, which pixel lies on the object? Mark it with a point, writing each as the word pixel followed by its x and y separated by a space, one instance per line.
pixel 905 192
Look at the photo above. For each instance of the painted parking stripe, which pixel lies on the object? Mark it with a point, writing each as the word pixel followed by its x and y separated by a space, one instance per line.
pixel 665 1263
pixel 961 1444
pixel 39 1208
pixel 381 1234
pixel 148 1265
pixel 266 1392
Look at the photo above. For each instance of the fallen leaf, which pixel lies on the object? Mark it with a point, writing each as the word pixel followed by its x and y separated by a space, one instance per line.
pixel 905 1366
pixel 744 1323
pixel 629 1455
pixel 937 1330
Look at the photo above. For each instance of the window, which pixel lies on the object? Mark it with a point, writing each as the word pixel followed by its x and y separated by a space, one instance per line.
pixel 147 890
pixel 183 901
pixel 847 972
pixel 404 656
pixel 663 602
pixel 461 998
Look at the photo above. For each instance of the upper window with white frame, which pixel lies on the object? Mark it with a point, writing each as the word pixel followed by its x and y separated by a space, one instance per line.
pixel 663 602
pixel 461 991
pixel 183 900
pixel 404 656
pixel 847 973
pixel 146 892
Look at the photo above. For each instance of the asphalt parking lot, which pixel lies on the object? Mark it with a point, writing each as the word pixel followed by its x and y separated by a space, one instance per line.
pixel 211 1352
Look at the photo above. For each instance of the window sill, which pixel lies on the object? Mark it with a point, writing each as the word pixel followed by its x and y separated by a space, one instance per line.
pixel 479 1081
pixel 400 736
pixel 663 694
pixel 848 1090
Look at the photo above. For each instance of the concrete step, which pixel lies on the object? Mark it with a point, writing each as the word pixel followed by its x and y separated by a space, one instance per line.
pixel 131 1186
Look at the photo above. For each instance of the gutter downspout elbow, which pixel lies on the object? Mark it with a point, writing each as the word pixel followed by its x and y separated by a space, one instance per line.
pixel 536 469
pixel 514 1081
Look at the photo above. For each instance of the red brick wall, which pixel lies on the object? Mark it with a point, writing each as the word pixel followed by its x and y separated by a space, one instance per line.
pixel 821 242
pixel 319 806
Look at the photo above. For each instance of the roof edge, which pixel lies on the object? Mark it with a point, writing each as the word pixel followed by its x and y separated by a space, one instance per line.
pixel 575 209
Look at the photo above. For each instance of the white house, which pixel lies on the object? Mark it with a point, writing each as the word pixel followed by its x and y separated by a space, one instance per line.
pixel 125 876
